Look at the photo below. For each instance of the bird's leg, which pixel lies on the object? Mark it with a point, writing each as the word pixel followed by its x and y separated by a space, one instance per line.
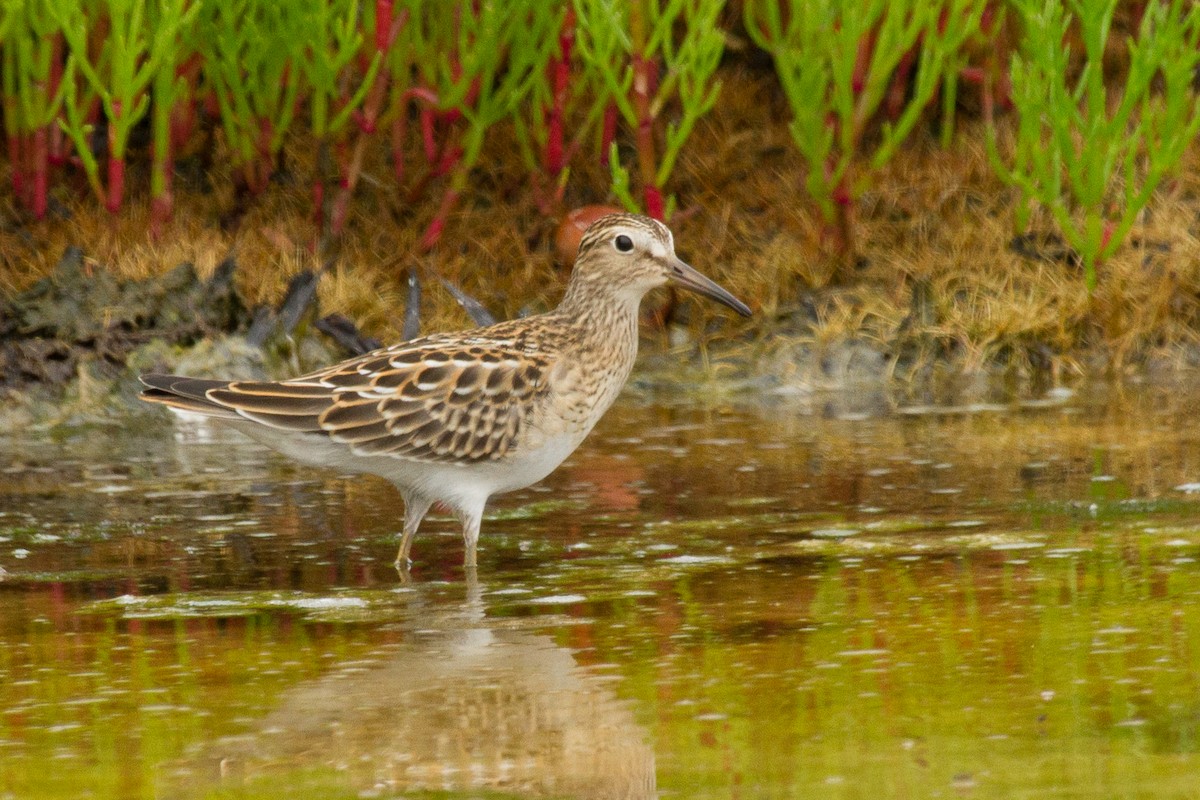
pixel 415 508
pixel 470 523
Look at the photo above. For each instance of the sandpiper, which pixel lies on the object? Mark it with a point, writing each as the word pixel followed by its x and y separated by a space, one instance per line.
pixel 455 418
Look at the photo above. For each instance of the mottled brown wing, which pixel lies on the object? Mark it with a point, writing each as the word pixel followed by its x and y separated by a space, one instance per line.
pixel 422 402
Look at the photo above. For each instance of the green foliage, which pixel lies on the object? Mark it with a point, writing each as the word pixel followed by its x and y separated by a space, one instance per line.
pixel 502 49
pixel 168 90
pixel 1093 158
pixel 476 65
pixel 1093 141
pixel 333 44
pixel 648 55
pixel 118 69
pixel 252 51
pixel 837 60
pixel 534 119
pixel 27 65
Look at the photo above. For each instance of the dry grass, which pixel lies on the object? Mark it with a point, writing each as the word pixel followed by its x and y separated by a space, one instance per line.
pixel 937 276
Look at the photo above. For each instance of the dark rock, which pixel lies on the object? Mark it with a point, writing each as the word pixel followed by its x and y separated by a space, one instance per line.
pixel 301 296
pixel 302 290
pixel 342 330
pixel 412 307
pixel 475 309
pixel 83 312
pixel 261 327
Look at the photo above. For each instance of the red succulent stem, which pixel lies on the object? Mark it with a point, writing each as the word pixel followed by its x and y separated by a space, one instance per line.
pixel 428 139
pixel 862 62
pixel 898 88
pixel 559 73
pixel 116 184
pixel 422 93
pixel 387 28
pixel 654 202
pixel 116 164
pixel 15 164
pixel 353 168
pixel 56 63
pixel 433 233
pixel 183 121
pixel 987 18
pixel 975 75
pixel 554 143
pixel 41 170
pixel 1106 233
pixel 447 160
pixel 645 80
pixel 608 132
pixel 383 25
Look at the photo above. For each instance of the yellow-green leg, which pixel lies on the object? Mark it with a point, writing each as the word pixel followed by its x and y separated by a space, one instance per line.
pixel 415 509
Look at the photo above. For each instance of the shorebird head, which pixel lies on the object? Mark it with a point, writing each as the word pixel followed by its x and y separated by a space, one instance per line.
pixel 629 255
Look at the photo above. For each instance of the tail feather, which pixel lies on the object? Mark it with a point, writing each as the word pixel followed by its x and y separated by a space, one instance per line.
pixel 185 394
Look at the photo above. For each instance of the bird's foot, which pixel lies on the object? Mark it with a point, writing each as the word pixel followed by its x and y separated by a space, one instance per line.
pixel 402 566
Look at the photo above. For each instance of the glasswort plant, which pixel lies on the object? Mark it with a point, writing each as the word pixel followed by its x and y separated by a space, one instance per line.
pixel 837 61
pixel 1091 157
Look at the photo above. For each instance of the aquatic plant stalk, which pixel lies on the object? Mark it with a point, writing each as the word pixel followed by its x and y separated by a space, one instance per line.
pixel 991 50
pixel 387 27
pixel 170 88
pixel 1091 158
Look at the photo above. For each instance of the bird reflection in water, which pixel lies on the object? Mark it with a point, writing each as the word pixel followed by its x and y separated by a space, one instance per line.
pixel 464 702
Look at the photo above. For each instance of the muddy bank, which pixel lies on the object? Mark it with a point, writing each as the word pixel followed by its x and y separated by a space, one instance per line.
pixel 72 344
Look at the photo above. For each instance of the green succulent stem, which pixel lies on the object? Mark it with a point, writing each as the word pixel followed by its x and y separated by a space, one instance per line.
pixel 648 56
pixel 837 60
pixel 1090 155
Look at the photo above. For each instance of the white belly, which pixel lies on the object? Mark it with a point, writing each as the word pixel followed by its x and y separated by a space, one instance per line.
pixel 454 484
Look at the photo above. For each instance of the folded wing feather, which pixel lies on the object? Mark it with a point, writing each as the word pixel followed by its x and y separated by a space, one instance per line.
pixel 420 401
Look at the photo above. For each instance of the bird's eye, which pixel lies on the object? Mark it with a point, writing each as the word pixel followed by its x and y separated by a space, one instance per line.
pixel 623 243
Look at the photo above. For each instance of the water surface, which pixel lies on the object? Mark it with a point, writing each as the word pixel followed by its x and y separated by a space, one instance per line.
pixel 783 598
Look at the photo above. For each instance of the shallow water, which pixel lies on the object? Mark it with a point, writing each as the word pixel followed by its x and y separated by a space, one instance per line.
pixel 794 599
